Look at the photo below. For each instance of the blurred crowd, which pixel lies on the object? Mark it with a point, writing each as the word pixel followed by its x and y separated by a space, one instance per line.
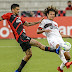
pixel 32 13
pixel 41 14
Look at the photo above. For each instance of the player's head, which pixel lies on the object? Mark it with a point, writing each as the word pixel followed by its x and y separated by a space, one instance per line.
pixel 15 8
pixel 50 12
pixel 69 3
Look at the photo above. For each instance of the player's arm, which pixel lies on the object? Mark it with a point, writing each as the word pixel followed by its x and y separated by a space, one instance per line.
pixel 5 16
pixel 40 30
pixel 32 23
pixel 65 36
pixel 1 18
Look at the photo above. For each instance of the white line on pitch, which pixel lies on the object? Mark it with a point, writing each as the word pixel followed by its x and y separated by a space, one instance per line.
pixel 9 46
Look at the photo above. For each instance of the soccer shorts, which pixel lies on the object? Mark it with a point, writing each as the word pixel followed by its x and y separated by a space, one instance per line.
pixel 24 42
pixel 53 41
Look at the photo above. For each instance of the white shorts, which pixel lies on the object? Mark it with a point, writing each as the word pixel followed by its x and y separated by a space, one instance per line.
pixel 53 41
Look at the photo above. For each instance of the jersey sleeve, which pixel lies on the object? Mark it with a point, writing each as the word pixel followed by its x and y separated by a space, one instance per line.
pixel 6 16
pixel 41 25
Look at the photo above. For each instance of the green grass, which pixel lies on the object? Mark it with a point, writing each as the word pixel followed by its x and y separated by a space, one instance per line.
pixel 11 55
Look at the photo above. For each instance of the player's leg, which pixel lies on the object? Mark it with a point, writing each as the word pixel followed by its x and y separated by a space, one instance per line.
pixel 42 47
pixel 65 57
pixel 25 60
pixel 26 47
pixel 68 57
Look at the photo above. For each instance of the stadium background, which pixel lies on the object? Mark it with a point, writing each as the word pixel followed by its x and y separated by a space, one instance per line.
pixel 10 51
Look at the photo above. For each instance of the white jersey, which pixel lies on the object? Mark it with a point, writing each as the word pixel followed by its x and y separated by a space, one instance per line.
pixel 53 26
pixel 54 36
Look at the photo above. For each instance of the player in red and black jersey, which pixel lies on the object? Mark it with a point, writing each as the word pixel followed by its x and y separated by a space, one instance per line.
pixel 16 23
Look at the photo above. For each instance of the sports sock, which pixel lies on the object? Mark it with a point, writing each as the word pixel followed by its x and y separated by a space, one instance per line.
pixel 50 49
pixel 21 65
pixel 62 57
pixel 62 66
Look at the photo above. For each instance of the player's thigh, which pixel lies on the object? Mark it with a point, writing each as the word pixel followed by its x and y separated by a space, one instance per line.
pixel 53 43
pixel 28 51
pixel 35 43
pixel 67 55
pixel 60 41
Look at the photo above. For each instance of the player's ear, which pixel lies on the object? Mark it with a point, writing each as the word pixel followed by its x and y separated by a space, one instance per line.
pixel 12 10
pixel 47 14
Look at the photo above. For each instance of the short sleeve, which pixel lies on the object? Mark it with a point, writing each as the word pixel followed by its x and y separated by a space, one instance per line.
pixel 41 25
pixel 6 16
pixel 23 21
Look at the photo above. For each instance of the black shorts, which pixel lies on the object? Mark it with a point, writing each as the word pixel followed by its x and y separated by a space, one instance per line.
pixel 24 42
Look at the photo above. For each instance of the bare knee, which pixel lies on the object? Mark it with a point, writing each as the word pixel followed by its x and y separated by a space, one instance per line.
pixel 57 45
pixel 67 55
pixel 29 55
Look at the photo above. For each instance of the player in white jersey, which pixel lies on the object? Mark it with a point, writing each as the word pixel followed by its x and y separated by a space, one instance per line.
pixel 54 37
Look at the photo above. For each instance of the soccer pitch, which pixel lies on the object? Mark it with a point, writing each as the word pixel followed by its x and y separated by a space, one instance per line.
pixel 11 55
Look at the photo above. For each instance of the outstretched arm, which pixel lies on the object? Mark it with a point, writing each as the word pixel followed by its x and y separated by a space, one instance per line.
pixel 1 18
pixel 65 36
pixel 39 31
pixel 32 23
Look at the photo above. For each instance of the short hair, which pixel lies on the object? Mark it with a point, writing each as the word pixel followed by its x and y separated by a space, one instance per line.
pixel 14 6
pixel 50 8
pixel 69 1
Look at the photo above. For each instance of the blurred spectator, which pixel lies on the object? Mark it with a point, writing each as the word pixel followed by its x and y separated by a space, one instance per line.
pixel 69 6
pixel 39 14
pixel 61 13
pixel 32 14
pixel 26 14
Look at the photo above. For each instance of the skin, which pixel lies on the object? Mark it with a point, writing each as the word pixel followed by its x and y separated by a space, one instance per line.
pixel 69 3
pixel 51 16
pixel 33 42
pixel 16 10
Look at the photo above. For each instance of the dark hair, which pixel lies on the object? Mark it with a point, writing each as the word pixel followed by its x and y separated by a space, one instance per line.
pixel 14 6
pixel 50 8
pixel 69 1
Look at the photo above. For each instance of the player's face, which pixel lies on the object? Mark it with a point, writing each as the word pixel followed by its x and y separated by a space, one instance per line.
pixel 16 10
pixel 51 15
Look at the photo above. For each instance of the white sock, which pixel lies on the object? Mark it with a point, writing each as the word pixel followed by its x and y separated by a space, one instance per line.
pixel 62 66
pixel 62 57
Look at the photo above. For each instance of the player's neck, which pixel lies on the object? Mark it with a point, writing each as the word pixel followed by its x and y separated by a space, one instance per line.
pixel 50 19
pixel 15 14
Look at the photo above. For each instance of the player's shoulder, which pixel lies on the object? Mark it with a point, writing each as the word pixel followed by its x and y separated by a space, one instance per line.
pixel 54 22
pixel 45 20
pixel 8 13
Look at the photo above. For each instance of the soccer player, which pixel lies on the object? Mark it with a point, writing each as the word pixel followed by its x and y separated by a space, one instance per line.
pixel 53 36
pixel 16 23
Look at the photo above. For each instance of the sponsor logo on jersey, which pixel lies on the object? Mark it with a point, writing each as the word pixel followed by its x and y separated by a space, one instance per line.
pixel 18 20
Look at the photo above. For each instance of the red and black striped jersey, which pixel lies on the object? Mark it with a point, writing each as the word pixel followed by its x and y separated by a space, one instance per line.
pixel 15 22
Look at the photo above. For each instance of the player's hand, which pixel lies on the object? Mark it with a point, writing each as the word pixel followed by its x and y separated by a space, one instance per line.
pixel 41 20
pixel 47 30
